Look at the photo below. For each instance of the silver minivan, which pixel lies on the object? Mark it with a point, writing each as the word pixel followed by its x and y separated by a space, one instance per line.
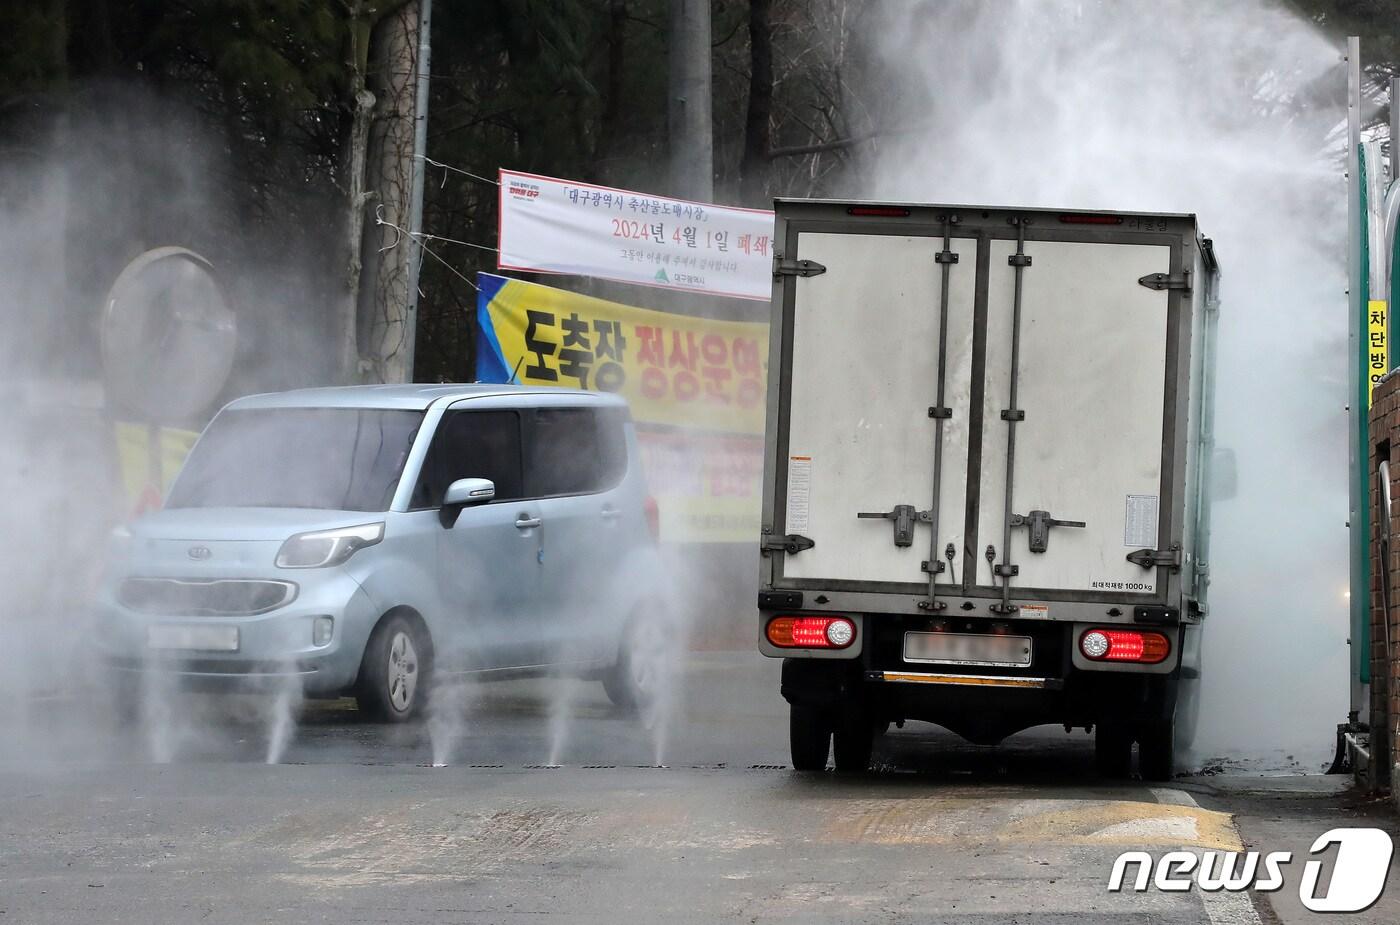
pixel 363 540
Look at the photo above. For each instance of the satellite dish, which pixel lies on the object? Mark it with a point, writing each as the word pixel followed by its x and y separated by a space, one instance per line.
pixel 168 335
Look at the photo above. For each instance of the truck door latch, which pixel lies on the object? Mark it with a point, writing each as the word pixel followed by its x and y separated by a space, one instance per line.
pixel 791 544
pixel 904 516
pixel 783 266
pixel 1040 523
pixel 1156 558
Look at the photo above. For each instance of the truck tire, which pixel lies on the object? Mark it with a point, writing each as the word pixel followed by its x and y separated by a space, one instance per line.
pixel 1157 750
pixel 1188 712
pixel 852 744
pixel 809 737
pixel 1113 750
pixel 393 684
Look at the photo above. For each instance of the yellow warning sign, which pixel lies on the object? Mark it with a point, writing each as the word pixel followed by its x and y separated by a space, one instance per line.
pixel 1377 353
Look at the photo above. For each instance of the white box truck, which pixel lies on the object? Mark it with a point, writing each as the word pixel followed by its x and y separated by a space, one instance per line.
pixel 988 438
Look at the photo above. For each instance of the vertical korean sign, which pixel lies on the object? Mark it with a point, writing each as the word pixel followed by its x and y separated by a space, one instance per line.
pixel 1377 357
pixel 696 388
pixel 561 226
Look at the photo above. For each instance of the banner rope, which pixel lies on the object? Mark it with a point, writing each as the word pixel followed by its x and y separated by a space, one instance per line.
pixel 447 167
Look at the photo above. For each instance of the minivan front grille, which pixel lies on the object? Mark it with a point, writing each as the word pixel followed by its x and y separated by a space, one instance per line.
pixel 215 597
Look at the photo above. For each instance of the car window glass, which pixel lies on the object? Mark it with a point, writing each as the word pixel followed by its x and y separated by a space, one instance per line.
pixel 344 459
pixel 472 445
pixel 575 451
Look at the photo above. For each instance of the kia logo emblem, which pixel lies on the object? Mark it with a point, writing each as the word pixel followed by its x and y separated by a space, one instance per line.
pixel 199 552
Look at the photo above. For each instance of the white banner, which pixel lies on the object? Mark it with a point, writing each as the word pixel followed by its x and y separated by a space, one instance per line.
pixel 559 226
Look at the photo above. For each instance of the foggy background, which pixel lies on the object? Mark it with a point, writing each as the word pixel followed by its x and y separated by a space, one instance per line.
pixel 1232 111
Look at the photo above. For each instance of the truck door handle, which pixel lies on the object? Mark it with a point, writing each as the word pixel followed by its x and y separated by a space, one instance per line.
pixel 525 522
pixel 904 516
pixel 1040 523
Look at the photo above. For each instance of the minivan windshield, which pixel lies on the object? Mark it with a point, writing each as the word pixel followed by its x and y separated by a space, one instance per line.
pixel 343 459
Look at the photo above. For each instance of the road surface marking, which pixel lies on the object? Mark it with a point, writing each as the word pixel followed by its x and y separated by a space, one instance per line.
pixel 1222 907
pixel 1173 797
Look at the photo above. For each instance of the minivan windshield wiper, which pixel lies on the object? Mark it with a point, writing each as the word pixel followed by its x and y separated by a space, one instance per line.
pixel 347 459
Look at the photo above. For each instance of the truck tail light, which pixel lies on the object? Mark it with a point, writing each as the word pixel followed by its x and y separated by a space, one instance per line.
pixel 811 632
pixel 653 512
pixel 1115 645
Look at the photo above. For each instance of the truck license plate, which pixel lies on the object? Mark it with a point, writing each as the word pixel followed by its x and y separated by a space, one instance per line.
pixel 968 649
pixel 192 638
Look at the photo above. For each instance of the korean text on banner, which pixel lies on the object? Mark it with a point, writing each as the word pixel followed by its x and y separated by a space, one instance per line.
pixel 673 369
pixel 1377 355
pixel 559 226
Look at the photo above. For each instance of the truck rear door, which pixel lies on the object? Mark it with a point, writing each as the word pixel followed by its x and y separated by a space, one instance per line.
pixel 1089 379
pixel 1055 407
pixel 868 342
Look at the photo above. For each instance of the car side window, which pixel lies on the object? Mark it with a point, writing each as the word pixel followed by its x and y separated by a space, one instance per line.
pixel 472 445
pixel 574 451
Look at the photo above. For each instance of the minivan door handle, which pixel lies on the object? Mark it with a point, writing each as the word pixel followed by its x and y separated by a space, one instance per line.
pixel 611 513
pixel 525 522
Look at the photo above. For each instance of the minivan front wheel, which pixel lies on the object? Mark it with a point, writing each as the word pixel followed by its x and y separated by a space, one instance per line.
pixel 635 679
pixel 394 674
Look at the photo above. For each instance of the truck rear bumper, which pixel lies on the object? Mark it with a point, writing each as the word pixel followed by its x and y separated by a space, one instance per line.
pixel 985 704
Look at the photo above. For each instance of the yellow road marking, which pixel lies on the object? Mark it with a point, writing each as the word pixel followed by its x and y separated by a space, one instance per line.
pixel 1067 822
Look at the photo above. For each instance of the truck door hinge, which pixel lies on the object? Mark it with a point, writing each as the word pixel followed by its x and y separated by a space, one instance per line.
pixel 904 516
pixel 782 266
pixel 1160 281
pixel 1040 523
pixel 1156 558
pixel 791 544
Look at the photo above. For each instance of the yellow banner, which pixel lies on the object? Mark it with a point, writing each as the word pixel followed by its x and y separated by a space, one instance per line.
pixel 150 458
pixel 1377 353
pixel 707 486
pixel 672 369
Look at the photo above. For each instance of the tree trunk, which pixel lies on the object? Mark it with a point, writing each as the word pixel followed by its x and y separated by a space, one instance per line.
pixel 388 253
pixel 610 127
pixel 691 121
pixel 758 124
pixel 360 28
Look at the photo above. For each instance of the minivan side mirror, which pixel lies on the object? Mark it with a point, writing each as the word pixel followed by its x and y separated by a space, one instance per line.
pixel 463 493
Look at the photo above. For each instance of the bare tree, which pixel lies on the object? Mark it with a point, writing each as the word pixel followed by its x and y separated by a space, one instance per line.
pixel 384 299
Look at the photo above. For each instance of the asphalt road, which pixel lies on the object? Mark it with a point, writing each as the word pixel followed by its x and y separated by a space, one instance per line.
pixel 552 803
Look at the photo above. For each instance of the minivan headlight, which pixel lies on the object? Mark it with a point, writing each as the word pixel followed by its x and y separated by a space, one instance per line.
pixel 325 548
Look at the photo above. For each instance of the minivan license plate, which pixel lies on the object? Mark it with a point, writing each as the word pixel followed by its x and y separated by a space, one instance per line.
pixel 968 649
pixel 193 638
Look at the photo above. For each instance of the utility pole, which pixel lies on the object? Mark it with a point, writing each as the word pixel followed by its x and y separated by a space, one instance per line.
pixel 1357 434
pixel 690 120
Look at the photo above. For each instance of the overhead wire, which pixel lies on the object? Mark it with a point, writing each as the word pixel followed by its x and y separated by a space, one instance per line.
pixel 419 237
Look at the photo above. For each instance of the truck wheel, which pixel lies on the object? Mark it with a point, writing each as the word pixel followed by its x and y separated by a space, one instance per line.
pixel 1188 712
pixel 1157 750
pixel 1113 750
pixel 853 742
pixel 393 681
pixel 809 736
